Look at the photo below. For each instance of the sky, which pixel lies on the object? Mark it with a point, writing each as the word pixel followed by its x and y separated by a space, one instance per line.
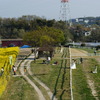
pixel 50 9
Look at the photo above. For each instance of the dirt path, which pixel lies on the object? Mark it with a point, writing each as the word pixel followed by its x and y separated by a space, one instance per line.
pixel 78 53
pixel 41 97
pixel 90 83
pixel 50 94
pixel 84 54
pixel 27 63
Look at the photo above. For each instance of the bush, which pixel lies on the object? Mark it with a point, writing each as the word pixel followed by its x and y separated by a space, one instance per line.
pixel 98 47
pixel 5 55
pixel 83 44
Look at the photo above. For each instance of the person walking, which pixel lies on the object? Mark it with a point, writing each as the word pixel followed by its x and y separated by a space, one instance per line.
pixel 95 52
pixel 81 60
pixel 25 70
pixel 14 70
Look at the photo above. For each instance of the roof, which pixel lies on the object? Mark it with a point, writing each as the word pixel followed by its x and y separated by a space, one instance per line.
pixel 11 39
pixel 45 49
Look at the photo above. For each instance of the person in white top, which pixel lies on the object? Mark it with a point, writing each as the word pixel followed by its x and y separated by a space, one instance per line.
pixel 48 60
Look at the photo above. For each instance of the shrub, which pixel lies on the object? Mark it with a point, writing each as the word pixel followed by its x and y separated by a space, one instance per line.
pixel 6 63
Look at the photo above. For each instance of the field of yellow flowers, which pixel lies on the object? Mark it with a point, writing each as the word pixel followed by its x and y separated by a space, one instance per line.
pixel 7 59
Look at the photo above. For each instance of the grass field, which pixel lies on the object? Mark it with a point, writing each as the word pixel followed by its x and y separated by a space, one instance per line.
pixel 95 77
pixel 57 78
pixel 7 60
pixel 89 50
pixel 19 89
pixel 83 74
pixel 81 89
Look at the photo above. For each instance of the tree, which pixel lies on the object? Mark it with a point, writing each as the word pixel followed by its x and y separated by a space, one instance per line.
pixel 65 28
pixel 44 36
pixel 95 36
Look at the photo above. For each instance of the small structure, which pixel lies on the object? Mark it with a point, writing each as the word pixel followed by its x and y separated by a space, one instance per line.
pixel 11 42
pixel 45 52
pixel 25 46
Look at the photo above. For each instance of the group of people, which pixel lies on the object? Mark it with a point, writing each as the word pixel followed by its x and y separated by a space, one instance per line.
pixel 13 69
pixel 55 63
pixel 48 61
pixel 2 70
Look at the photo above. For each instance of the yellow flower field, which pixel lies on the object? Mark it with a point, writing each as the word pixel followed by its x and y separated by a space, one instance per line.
pixel 7 59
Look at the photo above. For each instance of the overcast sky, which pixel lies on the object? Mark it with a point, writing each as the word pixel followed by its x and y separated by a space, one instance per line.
pixel 50 9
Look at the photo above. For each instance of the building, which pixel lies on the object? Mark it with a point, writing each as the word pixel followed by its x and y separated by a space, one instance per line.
pixel 87 33
pixel 11 42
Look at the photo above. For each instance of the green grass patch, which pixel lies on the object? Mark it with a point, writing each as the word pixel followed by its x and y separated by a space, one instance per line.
pixel 80 87
pixel 56 77
pixel 90 66
pixel 40 87
pixel 94 76
pixel 89 50
pixel 19 89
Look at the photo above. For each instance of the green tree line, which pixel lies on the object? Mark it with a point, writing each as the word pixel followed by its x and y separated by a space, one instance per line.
pixel 14 28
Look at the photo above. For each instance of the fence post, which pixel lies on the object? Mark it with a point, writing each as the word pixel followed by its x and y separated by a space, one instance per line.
pixel 70 75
